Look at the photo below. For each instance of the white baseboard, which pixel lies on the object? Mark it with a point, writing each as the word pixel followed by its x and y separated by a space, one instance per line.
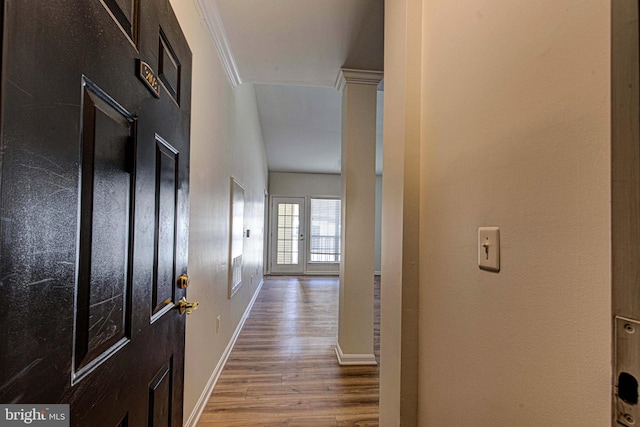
pixel 322 273
pixel 355 359
pixel 206 393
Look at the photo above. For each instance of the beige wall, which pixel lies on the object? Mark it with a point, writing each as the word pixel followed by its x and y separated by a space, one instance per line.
pixel 515 133
pixel 225 141
pixel 304 184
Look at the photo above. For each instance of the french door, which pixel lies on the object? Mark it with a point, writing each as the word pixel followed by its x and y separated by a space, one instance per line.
pixel 287 235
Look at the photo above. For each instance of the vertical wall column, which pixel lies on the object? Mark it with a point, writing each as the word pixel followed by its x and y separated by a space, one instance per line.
pixel 401 189
pixel 355 317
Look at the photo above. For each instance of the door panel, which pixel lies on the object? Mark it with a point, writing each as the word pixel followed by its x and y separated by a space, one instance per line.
pixel 125 13
pixel 94 209
pixel 169 68
pixel 165 220
pixel 160 398
pixel 106 182
pixel 287 235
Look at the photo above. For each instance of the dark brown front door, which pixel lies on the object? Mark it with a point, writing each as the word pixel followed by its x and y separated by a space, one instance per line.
pixel 94 160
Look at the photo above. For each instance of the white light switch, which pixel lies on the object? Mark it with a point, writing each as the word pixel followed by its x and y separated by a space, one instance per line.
pixel 489 248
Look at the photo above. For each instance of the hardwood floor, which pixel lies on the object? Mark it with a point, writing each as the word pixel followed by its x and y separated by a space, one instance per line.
pixel 283 369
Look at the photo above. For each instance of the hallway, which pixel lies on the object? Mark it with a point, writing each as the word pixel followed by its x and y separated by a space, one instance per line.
pixel 283 369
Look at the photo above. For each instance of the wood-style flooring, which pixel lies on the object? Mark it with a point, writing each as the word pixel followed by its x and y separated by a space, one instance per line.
pixel 283 369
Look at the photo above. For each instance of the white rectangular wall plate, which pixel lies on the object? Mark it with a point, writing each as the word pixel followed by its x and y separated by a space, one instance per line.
pixel 489 248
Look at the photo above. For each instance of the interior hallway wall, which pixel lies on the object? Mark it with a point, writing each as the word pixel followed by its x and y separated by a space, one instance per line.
pixel 304 184
pixel 226 141
pixel 516 134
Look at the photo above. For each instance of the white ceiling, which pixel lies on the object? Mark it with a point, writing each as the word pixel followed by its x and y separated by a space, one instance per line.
pixel 303 42
pixel 301 127
pixel 293 51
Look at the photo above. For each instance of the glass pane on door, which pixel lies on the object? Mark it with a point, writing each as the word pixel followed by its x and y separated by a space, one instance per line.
pixel 288 233
pixel 324 245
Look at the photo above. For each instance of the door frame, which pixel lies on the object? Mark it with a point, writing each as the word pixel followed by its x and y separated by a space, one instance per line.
pixel 302 252
pixel 320 269
pixel 625 193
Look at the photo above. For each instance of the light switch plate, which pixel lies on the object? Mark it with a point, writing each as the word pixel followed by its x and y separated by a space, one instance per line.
pixel 489 248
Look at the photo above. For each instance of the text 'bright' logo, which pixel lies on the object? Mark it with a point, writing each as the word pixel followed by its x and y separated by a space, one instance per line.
pixel 27 416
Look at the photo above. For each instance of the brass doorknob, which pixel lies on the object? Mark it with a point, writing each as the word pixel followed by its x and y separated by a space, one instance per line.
pixel 184 305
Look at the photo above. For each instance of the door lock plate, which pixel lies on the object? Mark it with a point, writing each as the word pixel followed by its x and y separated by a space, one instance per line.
pixel 627 371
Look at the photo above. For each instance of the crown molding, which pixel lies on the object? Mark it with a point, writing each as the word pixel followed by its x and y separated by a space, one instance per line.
pixel 362 77
pixel 209 10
